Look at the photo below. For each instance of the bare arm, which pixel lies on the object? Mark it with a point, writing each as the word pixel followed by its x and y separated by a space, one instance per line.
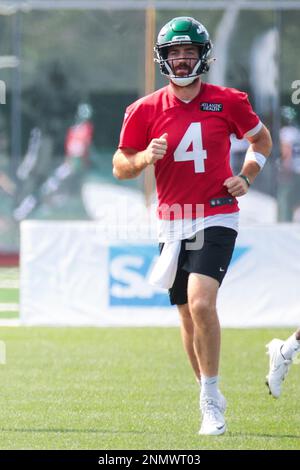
pixel 129 163
pixel 261 143
pixel 286 152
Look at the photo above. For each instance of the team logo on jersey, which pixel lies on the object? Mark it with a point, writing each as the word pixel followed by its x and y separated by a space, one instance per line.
pixel 214 107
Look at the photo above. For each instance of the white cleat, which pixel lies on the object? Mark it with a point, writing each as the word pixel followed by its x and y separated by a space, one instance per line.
pixel 213 421
pixel 278 367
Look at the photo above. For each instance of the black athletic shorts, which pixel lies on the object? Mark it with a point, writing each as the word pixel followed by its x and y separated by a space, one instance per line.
pixel 212 260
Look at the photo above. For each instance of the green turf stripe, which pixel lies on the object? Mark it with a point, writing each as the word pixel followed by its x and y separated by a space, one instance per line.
pixel 9 295
pixel 9 314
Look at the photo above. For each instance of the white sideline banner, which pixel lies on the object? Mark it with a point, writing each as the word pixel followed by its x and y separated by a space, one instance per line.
pixel 71 275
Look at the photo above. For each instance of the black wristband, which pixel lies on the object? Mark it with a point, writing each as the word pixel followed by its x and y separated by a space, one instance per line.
pixel 245 178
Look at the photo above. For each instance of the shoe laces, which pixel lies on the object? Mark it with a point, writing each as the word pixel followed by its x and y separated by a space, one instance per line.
pixel 211 409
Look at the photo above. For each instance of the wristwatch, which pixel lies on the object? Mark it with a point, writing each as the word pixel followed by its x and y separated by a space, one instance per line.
pixel 245 178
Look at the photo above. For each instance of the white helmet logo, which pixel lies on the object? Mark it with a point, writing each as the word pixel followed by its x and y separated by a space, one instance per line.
pixel 181 38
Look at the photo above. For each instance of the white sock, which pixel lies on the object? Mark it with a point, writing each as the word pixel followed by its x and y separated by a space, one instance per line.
pixel 290 347
pixel 209 387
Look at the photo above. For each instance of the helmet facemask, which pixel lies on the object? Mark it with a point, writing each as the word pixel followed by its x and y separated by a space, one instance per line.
pixel 195 69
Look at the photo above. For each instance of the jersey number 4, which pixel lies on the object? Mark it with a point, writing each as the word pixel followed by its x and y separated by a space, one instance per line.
pixel 190 148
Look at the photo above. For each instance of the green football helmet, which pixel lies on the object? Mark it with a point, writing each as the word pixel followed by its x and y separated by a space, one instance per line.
pixel 180 31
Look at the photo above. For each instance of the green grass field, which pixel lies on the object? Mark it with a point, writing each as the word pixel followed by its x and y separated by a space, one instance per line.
pixel 132 388
pixel 9 292
pixel 92 388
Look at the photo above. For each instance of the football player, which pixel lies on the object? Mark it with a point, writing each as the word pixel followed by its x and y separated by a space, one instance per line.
pixel 184 130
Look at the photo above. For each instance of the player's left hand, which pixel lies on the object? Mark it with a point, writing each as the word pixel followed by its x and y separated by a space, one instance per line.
pixel 236 186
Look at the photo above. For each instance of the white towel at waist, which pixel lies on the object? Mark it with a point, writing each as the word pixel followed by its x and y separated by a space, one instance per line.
pixel 164 272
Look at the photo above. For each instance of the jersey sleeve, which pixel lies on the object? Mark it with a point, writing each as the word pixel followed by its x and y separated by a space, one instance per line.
pixel 244 122
pixel 134 132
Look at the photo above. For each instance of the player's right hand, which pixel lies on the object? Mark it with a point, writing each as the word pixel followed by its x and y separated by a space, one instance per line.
pixel 156 150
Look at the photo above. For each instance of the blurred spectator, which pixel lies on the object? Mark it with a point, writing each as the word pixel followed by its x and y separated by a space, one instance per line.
pixel 289 170
pixel 63 186
pixel 79 136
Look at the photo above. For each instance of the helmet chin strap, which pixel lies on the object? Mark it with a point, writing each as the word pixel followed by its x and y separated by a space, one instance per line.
pixel 183 81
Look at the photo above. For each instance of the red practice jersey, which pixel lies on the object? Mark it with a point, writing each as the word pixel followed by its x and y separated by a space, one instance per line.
pixel 79 139
pixel 197 161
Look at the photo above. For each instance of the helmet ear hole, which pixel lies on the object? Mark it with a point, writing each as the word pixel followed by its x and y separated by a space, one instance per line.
pixel 201 51
pixel 164 52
